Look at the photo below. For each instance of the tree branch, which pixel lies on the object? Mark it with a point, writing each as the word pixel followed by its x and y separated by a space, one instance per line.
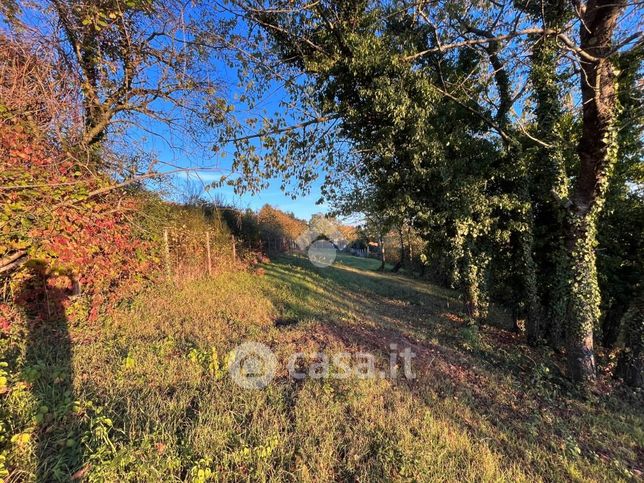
pixel 316 120
pixel 509 36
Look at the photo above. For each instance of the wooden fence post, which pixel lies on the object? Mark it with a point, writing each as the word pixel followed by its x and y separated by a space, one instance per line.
pixel 166 251
pixel 208 253
pixel 76 285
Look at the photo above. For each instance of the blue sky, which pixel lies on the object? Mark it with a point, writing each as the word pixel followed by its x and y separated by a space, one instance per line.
pixel 174 149
pixel 303 206
pixel 185 153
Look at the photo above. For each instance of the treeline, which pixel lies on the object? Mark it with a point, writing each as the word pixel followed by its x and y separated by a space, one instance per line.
pixel 506 136
pixel 271 230
pixel 264 230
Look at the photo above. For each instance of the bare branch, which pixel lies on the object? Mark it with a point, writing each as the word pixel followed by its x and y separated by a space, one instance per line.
pixel 499 38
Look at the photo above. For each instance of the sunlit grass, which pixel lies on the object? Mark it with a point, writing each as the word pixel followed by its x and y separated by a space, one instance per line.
pixel 149 401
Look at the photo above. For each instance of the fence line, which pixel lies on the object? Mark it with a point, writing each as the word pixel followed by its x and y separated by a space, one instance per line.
pixel 189 252
pixel 208 253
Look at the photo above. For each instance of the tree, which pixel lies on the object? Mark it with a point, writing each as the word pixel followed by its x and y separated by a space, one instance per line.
pixel 276 226
pixel 597 151
pixel 631 362
pixel 425 93
pixel 132 60
pixel 620 235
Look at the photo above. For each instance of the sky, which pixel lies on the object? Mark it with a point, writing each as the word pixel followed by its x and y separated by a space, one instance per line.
pixel 181 152
pixel 174 149
pixel 302 207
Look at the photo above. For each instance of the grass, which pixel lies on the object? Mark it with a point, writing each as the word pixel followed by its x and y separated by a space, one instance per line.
pixel 145 397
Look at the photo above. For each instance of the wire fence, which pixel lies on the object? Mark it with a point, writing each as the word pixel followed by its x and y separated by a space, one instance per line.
pixel 191 254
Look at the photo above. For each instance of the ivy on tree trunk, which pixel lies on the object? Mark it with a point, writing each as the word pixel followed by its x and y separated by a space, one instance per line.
pixel 597 152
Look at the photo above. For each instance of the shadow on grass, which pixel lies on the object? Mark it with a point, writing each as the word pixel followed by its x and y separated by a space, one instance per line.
pixel 48 368
pixel 485 380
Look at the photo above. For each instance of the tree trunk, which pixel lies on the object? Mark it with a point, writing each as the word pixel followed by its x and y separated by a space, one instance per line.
pixel 558 300
pixel 400 262
pixel 630 366
pixel 584 301
pixel 382 253
pixel 611 324
pixel 85 48
pixel 534 326
pixel 403 252
pixel 597 156
pixel 472 302
pixel 473 277
pixel 410 250
pixel 549 180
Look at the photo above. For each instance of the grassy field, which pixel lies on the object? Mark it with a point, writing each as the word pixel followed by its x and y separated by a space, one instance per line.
pixel 146 397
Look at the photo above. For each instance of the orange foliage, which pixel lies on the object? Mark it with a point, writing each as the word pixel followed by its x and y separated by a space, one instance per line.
pixel 278 224
pixel 51 214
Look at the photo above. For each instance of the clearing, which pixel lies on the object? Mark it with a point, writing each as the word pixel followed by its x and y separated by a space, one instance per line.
pixel 146 396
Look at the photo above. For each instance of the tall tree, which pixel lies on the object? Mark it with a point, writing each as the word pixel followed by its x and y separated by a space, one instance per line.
pixel 549 164
pixel 597 151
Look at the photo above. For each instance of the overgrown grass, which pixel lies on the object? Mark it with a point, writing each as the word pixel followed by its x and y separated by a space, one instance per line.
pixel 145 397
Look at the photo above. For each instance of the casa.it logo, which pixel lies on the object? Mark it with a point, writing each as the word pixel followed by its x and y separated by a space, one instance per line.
pixel 253 365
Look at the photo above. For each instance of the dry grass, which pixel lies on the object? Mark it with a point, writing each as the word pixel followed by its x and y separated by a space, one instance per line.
pixel 144 398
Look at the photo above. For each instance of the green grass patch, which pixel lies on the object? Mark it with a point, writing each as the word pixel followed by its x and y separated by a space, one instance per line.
pixel 146 397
